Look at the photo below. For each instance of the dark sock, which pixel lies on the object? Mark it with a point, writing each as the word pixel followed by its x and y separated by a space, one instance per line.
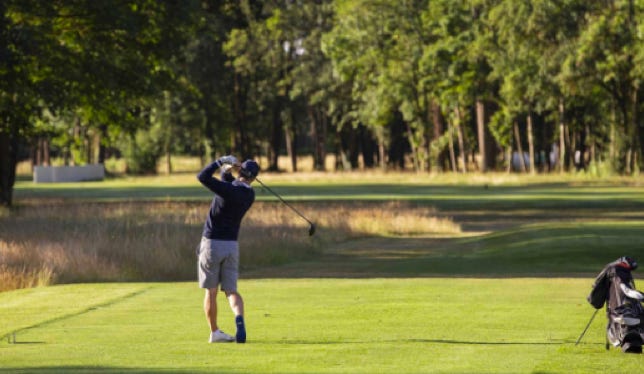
pixel 240 337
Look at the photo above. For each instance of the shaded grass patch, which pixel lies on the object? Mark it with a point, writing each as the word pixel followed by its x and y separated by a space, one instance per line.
pixel 543 249
pixel 447 192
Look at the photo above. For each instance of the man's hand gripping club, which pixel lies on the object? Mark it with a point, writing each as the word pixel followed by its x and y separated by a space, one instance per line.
pixel 228 160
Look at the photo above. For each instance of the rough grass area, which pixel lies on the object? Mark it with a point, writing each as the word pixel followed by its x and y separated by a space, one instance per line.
pixel 313 326
pixel 48 242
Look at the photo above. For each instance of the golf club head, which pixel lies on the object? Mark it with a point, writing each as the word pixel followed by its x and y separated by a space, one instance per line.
pixel 311 229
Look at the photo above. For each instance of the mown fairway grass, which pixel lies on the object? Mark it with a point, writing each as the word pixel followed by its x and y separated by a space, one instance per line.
pixel 439 325
pixel 507 295
pixel 452 192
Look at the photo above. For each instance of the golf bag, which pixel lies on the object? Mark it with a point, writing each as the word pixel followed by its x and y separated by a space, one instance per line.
pixel 614 286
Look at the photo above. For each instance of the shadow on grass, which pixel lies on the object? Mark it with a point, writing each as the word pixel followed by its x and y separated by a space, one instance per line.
pixel 456 197
pixel 399 341
pixel 461 342
pixel 106 369
pixel 564 249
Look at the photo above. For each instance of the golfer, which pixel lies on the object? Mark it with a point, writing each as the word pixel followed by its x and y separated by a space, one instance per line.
pixel 219 250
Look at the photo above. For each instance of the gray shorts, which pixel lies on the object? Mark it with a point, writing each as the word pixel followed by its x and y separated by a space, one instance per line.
pixel 218 264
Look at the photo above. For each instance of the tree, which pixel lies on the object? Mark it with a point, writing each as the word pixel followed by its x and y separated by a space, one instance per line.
pixel 455 65
pixel 604 56
pixel 212 86
pixel 311 77
pixel 260 56
pixel 31 72
pixel 99 61
pixel 377 47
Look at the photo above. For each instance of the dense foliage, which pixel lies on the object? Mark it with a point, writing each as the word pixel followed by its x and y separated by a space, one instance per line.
pixel 429 85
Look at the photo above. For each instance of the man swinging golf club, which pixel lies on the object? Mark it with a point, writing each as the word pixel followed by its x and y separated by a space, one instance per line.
pixel 219 249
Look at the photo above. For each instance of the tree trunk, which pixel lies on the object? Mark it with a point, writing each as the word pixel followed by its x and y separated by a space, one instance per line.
pixel 341 160
pixel 531 143
pixel 487 146
pixel 324 134
pixel 350 145
pixel 480 126
pixel 276 135
pixel 289 149
pixel 612 149
pixel 414 146
pixel 397 142
pixel 293 142
pixel 439 128
pixel 168 162
pixel 517 139
pixel 37 153
pixel 42 152
pixel 382 154
pixel 89 145
pixel 637 132
pixel 452 156
pixel 8 162
pixel 167 122
pixel 570 146
pixel 592 149
pixel 318 135
pixel 47 155
pixel 318 162
pixel 102 131
pixel 461 139
pixel 427 137
pixel 367 147
pixel 562 138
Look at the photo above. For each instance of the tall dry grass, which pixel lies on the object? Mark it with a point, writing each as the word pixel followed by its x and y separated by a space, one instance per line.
pixel 47 242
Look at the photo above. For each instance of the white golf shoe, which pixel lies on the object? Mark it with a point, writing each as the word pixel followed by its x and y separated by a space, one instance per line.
pixel 220 337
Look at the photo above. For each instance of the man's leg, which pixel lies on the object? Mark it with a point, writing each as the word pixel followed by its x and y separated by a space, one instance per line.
pixel 210 308
pixel 237 305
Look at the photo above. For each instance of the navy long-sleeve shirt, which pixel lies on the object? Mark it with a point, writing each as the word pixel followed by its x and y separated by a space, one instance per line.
pixel 228 207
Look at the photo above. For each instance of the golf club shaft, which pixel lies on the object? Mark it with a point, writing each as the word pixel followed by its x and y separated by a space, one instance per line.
pixel 589 322
pixel 282 200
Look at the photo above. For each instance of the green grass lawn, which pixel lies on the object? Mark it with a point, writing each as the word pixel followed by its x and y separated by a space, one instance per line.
pixel 505 296
pixel 440 325
pixel 551 249
pixel 486 192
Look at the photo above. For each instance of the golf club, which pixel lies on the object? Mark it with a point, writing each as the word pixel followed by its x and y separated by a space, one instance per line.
pixel 589 322
pixel 311 224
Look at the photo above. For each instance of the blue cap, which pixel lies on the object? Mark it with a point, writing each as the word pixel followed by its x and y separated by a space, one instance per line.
pixel 249 169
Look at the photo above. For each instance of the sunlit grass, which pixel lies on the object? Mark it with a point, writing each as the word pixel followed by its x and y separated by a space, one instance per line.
pixel 297 326
pixel 390 218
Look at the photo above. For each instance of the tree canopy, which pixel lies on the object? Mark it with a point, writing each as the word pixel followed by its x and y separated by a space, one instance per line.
pixel 424 85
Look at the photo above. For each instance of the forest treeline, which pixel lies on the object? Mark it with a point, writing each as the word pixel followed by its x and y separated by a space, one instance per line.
pixel 424 85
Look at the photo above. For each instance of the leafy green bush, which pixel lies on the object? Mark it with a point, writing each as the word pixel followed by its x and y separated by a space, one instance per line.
pixel 142 151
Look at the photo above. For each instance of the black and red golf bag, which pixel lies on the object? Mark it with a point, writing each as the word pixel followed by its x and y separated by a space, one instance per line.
pixel 615 287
